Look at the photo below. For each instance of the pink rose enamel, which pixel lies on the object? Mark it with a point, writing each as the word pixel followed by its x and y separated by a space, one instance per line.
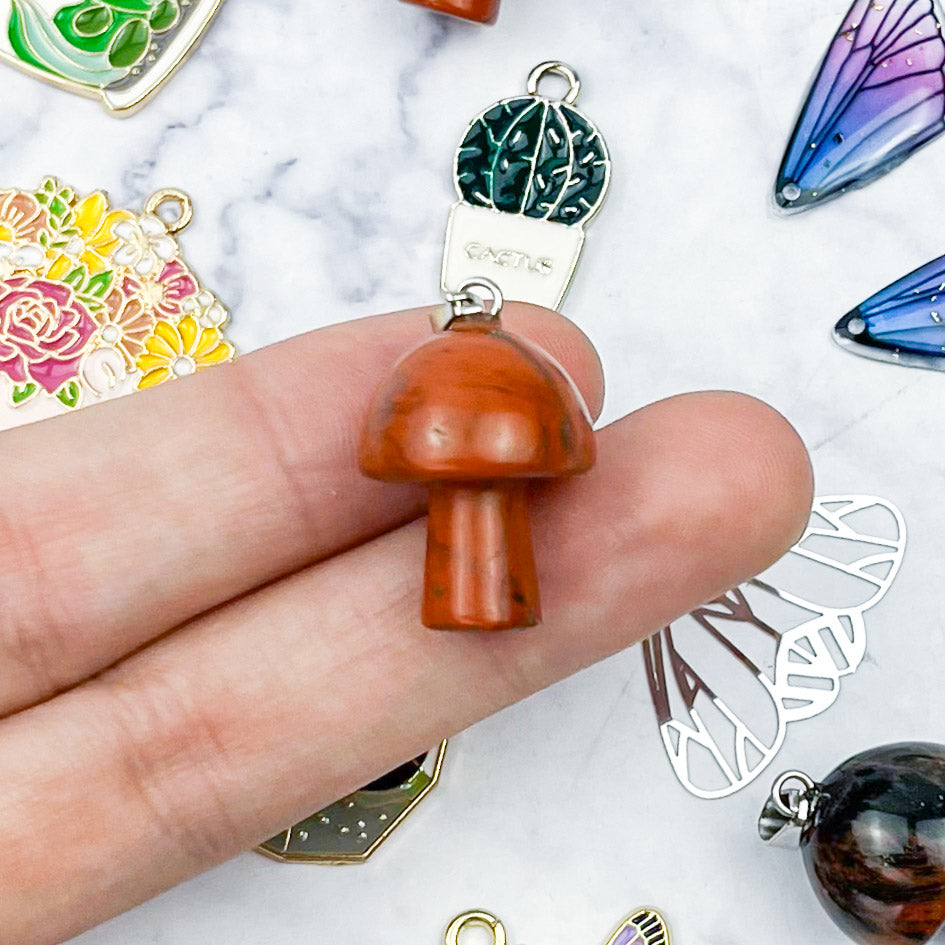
pixel 43 332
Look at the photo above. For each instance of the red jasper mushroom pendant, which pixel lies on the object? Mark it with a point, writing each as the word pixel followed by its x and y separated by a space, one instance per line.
pixel 478 11
pixel 475 413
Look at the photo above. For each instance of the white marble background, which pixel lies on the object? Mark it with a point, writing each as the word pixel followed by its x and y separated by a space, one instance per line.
pixel 316 139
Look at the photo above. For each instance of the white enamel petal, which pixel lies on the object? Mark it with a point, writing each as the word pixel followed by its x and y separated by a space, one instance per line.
pixel 126 255
pixel 152 226
pixel 126 230
pixel 30 256
pixel 165 247
pixel 146 264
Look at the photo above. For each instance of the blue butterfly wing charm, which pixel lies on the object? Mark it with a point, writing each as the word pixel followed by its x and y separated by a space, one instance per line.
pixel 878 96
pixel 644 927
pixel 905 322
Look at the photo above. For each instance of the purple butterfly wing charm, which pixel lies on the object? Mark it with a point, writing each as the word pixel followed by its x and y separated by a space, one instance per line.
pixel 644 927
pixel 878 96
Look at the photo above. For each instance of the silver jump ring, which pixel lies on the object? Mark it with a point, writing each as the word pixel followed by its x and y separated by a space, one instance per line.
pixel 555 68
pixel 465 301
pixel 779 794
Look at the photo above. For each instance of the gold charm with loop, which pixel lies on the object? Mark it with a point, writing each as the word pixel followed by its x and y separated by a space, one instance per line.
pixel 351 829
pixel 167 200
pixel 644 926
pixel 97 300
pixel 476 917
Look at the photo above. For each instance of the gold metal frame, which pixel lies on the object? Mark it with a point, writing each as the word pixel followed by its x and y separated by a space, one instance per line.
pixel 298 845
pixel 650 923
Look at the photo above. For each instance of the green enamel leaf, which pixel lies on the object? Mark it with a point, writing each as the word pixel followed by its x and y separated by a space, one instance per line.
pixel 550 166
pixel 69 394
pixel 92 20
pixel 58 200
pixel 165 16
pixel 16 33
pixel 53 44
pixel 589 169
pixel 77 278
pixel 91 302
pixel 130 44
pixel 99 285
pixel 484 154
pixel 133 7
pixel 21 394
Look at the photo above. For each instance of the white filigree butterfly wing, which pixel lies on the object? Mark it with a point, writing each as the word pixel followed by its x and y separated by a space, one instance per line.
pixel 727 678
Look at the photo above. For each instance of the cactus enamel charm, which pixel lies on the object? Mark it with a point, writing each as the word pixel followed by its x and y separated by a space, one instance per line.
pixel 476 413
pixel 872 838
pixel 530 172
pixel 120 52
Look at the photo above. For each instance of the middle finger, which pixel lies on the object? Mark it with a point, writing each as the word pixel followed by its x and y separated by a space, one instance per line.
pixel 122 522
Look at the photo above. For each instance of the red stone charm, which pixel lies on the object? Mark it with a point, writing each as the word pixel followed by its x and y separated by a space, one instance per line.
pixel 479 11
pixel 475 413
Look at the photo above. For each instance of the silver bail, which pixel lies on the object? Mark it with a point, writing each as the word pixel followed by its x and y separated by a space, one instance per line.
pixel 789 809
pixel 465 302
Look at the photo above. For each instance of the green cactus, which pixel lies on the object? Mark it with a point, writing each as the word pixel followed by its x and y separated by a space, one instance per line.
pixel 534 157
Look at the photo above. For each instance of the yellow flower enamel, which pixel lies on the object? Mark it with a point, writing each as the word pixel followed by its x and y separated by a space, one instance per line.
pixel 96 240
pixel 177 350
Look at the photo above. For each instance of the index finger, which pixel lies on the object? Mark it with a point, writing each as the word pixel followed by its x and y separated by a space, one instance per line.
pixel 121 522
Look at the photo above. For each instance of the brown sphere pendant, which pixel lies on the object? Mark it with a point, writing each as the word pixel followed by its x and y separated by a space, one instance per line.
pixel 873 839
pixel 475 413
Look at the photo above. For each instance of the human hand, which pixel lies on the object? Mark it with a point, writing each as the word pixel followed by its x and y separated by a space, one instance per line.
pixel 210 621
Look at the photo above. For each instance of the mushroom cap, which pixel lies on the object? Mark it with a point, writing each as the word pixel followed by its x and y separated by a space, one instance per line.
pixel 473 403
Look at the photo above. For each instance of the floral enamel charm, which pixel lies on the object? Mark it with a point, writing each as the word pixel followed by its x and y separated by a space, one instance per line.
pixel 96 301
pixel 120 51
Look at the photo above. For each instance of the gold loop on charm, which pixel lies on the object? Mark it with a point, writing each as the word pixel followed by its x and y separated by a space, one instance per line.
pixel 477 917
pixel 555 68
pixel 176 198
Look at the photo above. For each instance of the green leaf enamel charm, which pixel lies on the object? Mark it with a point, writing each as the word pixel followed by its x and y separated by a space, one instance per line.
pixel 530 172
pixel 121 51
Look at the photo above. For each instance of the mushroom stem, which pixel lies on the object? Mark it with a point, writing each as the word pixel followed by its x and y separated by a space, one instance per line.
pixel 480 570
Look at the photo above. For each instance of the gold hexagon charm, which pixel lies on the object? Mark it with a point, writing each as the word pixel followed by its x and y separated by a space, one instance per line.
pixel 350 830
